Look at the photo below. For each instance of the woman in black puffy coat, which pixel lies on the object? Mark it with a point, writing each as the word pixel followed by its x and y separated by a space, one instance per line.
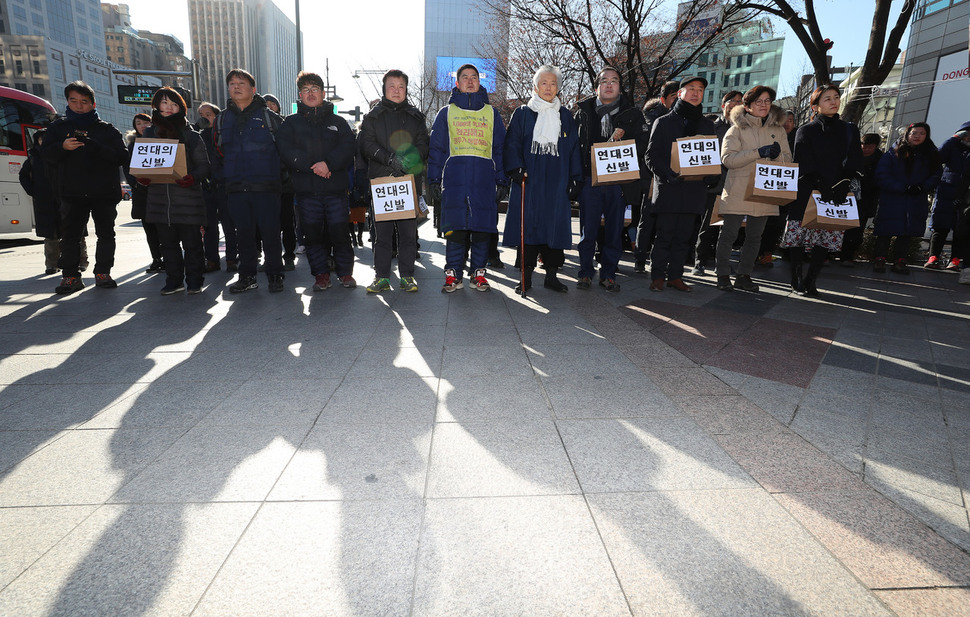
pixel 829 156
pixel 906 176
pixel 178 210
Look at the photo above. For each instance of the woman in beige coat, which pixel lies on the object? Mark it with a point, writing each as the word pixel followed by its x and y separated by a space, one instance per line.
pixel 756 133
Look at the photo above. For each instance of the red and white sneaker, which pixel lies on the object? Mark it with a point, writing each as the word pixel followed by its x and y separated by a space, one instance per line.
pixel 452 282
pixel 479 280
pixel 933 263
pixel 954 265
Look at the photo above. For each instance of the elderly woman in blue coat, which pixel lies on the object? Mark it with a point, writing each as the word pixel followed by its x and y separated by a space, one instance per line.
pixel 906 176
pixel 541 157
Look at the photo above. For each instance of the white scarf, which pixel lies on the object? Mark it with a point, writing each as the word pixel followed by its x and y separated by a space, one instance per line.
pixel 545 135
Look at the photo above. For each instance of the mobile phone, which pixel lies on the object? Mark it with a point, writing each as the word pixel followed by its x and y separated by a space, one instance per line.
pixel 79 134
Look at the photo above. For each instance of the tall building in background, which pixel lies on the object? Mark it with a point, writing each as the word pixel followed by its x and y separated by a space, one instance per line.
pixel 935 87
pixel 249 34
pixel 46 44
pixel 458 32
pixel 143 49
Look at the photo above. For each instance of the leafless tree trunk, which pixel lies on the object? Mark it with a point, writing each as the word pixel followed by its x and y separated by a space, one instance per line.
pixel 880 59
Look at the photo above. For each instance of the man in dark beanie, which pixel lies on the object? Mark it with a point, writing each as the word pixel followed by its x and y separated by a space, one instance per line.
pixel 87 155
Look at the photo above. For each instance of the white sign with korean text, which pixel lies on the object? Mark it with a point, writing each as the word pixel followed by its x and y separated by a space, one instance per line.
pixel 154 155
pixel 700 152
pixel 394 198
pixel 616 158
pixel 768 177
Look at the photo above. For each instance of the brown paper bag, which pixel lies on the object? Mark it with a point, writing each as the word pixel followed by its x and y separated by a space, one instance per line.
pixel 775 197
pixel 161 175
pixel 716 219
pixel 828 216
pixel 394 198
pixel 604 154
pixel 695 172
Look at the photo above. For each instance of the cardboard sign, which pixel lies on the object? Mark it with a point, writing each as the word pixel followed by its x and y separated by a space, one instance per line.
pixel 696 157
pixel 614 162
pixel 716 219
pixel 394 198
pixel 824 215
pixel 772 183
pixel 160 160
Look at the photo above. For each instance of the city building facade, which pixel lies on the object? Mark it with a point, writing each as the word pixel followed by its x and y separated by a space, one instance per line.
pixel 46 44
pixel 250 34
pixel 934 75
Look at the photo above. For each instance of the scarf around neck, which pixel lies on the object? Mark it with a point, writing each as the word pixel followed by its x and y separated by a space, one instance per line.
pixel 82 119
pixel 692 114
pixel 545 134
pixel 606 111
pixel 168 127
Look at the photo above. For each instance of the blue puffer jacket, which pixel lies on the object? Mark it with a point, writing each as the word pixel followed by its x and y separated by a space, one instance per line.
pixel 248 147
pixel 468 183
pixel 900 214
pixel 955 156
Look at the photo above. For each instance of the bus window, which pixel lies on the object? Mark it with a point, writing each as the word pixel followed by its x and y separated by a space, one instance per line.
pixel 13 114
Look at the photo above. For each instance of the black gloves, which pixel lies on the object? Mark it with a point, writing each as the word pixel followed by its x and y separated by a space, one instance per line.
pixel 827 195
pixel 397 167
pixel 769 152
pixel 711 181
pixel 840 189
pixel 672 179
pixel 434 195
pixel 517 175
pixel 501 193
pixel 575 188
pixel 913 189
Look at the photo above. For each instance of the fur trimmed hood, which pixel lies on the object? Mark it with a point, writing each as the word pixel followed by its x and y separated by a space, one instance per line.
pixel 741 119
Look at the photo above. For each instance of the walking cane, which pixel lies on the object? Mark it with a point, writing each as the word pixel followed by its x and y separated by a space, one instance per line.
pixel 522 241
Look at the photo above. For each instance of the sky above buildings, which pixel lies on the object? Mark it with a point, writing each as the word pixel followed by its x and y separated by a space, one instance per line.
pixel 384 34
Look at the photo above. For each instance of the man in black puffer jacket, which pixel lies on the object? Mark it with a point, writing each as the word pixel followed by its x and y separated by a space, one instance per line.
pixel 394 141
pixel 677 203
pixel 87 155
pixel 318 147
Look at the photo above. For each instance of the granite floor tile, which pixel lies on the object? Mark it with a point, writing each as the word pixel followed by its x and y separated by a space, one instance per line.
pixel 778 399
pixel 942 516
pixel 722 552
pixel 911 371
pixel 884 546
pixel 143 560
pixel 409 400
pixel 845 427
pixel 216 463
pixel 728 415
pixel 927 602
pixel 841 356
pixel 265 402
pixel 499 458
pixel 63 407
pixel 913 475
pixel 688 382
pixel 83 466
pixel 164 405
pixel 647 454
pixel 575 360
pixel 357 461
pixel 399 362
pixel 469 398
pixel 514 556
pixel 496 362
pixel 303 558
pixel 28 533
pixel 623 395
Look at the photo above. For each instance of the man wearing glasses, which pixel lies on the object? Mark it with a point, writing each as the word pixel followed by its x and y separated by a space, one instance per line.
pixel 318 147
pixel 609 116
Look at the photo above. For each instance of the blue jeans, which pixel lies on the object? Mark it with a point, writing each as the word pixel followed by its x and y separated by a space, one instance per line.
pixel 251 211
pixel 455 251
pixel 596 202
pixel 325 220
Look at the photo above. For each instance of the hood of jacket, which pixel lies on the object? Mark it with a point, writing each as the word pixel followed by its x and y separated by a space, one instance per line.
pixel 258 103
pixel 315 115
pixel 472 100
pixel 742 119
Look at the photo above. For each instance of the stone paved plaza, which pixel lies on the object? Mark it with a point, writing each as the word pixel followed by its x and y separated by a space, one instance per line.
pixel 339 453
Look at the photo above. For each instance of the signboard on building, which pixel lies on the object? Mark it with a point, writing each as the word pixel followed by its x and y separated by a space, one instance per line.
pixel 447 67
pixel 951 92
pixel 142 95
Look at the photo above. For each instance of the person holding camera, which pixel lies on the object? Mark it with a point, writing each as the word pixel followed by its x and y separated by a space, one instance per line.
pixel 86 154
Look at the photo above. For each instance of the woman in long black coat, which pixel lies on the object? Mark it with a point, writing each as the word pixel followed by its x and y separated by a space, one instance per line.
pixel 178 210
pixel 829 156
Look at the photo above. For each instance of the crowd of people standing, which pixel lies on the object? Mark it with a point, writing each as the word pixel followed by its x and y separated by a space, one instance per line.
pixel 272 182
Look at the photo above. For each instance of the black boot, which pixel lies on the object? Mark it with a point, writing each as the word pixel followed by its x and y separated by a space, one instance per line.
pixel 797 254
pixel 552 282
pixel 819 254
pixel 528 282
